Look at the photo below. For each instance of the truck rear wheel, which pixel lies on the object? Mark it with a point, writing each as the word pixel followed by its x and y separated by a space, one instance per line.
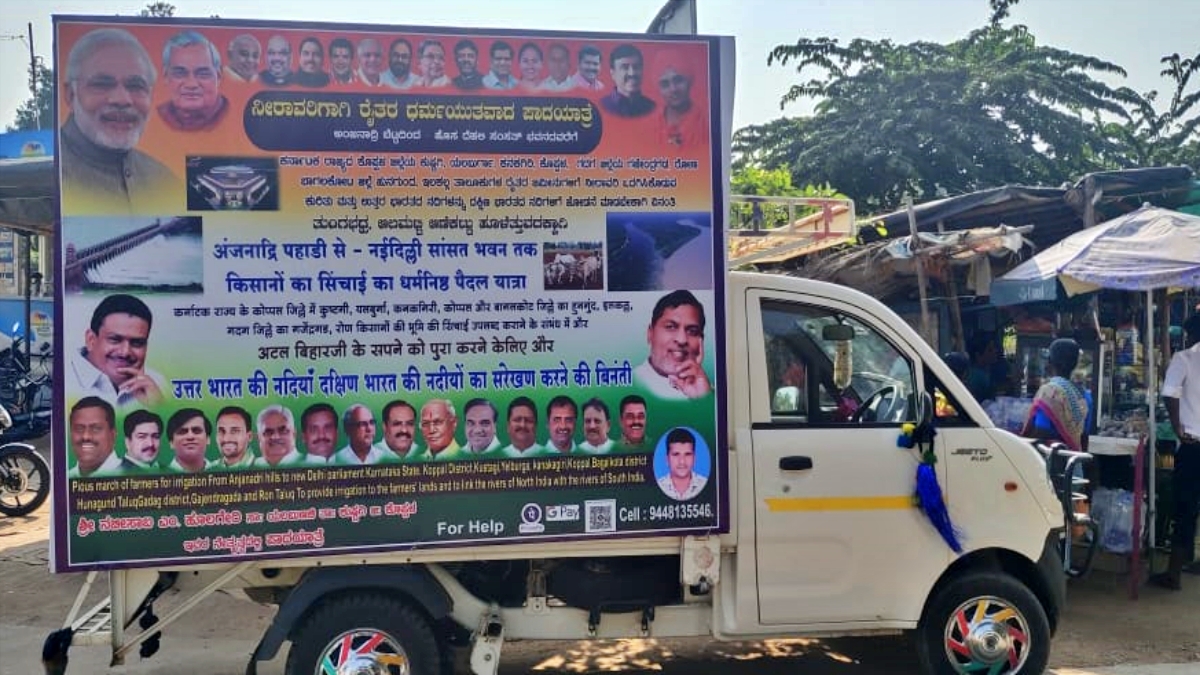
pixel 364 633
pixel 984 623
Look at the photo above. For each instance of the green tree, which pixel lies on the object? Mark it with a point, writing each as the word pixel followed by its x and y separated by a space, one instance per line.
pixel 1151 138
pixel 927 119
pixel 159 9
pixel 755 180
pixel 37 112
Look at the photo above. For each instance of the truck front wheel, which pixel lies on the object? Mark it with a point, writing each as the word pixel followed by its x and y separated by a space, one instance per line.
pixel 984 623
pixel 364 633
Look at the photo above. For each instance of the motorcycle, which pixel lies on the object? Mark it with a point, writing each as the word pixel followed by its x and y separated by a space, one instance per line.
pixel 25 389
pixel 24 475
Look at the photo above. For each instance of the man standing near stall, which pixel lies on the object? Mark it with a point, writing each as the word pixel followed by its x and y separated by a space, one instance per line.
pixel 1181 393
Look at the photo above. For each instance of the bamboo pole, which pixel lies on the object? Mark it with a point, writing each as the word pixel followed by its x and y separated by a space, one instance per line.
pixel 960 338
pixel 922 282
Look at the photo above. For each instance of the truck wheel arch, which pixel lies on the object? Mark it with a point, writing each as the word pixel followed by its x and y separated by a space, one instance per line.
pixel 1049 591
pixel 413 584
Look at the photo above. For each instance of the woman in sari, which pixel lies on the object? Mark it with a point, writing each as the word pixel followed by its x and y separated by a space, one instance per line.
pixel 1062 410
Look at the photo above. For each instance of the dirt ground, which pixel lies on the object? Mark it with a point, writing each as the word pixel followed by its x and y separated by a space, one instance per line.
pixel 1102 627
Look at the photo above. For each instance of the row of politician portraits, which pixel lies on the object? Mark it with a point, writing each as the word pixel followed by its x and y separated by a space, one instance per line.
pixel 402 433
pixel 110 80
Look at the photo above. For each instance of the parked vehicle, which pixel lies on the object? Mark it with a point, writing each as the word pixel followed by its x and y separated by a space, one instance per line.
pixel 24 475
pixel 825 540
pixel 25 388
pixel 780 470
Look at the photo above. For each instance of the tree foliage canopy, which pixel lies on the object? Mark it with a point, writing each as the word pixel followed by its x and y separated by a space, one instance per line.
pixel 37 112
pixel 992 108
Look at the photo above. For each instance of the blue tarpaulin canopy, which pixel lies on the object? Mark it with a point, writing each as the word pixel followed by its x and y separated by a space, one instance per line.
pixel 1148 249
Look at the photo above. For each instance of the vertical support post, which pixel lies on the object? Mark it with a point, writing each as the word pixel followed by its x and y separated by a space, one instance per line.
pixel 960 337
pixel 28 296
pixel 1152 435
pixel 914 245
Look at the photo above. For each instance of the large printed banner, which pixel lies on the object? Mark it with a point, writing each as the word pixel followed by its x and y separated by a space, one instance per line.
pixel 355 288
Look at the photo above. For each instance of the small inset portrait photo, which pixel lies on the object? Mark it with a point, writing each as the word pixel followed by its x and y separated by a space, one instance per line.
pixel 656 251
pixel 127 254
pixel 232 184
pixel 573 265
pixel 682 463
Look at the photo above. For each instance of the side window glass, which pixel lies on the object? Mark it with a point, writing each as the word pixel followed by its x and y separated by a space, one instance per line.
pixel 946 409
pixel 829 368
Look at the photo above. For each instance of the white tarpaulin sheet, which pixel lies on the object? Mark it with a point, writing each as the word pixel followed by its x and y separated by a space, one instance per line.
pixel 1148 249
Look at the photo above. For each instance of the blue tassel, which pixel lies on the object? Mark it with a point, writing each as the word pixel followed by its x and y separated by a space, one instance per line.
pixel 929 499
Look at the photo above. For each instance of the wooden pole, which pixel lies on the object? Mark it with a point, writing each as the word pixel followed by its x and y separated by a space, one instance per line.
pixel 960 338
pixel 914 245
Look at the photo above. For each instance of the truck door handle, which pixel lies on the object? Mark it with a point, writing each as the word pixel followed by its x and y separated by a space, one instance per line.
pixel 796 463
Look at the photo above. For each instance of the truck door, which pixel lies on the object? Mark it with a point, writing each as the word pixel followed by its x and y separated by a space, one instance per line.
pixel 838 539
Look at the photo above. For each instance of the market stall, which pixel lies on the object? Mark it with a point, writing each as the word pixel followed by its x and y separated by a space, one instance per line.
pixel 1148 250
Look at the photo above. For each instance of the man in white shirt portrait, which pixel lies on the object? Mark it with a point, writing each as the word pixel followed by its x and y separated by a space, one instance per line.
pixel 358 422
pixel 681 482
pixel 188 431
pixel 558 64
pixel 143 439
pixel 277 438
pixel 481 416
pixel 400 432
pixel 318 424
pixel 632 414
pixel 439 422
pixel 522 429
pixel 596 425
pixel 674 368
pixel 112 363
pixel 561 419
pixel 233 440
pixel 93 437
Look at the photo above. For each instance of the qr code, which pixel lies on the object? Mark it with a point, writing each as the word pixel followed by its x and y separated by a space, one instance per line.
pixel 601 515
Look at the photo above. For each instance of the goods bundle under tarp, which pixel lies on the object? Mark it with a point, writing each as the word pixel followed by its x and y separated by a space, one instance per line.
pixel 887 268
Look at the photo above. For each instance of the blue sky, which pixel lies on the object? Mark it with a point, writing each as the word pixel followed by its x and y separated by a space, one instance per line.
pixel 1131 33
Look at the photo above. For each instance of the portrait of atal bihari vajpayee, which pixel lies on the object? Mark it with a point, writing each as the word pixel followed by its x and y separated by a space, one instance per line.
pixel 192 68
pixel 108 87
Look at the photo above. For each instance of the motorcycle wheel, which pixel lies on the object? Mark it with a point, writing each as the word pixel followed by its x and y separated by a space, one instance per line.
pixel 24 480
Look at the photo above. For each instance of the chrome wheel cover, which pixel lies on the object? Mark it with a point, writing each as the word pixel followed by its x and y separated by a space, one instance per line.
pixel 363 651
pixel 987 636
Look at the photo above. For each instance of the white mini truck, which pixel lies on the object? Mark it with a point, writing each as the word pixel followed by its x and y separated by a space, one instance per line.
pixel 825 537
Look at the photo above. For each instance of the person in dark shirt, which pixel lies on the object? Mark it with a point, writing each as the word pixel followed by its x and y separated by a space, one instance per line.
pixel 312 61
pixel 279 63
pixel 466 56
pixel 626 100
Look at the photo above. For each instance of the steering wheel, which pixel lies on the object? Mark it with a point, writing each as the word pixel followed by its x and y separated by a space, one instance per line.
pixel 872 402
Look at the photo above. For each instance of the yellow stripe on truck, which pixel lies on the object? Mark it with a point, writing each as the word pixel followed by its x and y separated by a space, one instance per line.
pixel 840 503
